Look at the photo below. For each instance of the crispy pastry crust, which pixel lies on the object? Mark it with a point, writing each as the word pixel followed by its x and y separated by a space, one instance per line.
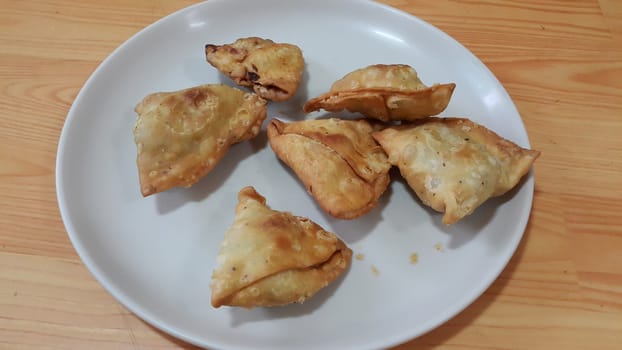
pixel 272 258
pixel 272 70
pixel 338 162
pixel 454 164
pixel 384 92
pixel 182 135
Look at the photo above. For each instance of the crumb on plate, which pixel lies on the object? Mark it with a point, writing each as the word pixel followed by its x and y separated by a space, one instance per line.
pixel 414 258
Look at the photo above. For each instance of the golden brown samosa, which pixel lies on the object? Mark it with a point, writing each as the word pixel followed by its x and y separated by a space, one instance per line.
pixel 337 160
pixel 384 92
pixel 180 136
pixel 453 164
pixel 272 258
pixel 272 70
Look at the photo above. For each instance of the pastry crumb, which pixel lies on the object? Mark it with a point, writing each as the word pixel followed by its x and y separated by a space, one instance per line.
pixel 439 247
pixel 374 270
pixel 359 256
pixel 414 258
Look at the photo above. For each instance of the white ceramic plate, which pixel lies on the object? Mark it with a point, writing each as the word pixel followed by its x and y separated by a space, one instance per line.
pixel 156 254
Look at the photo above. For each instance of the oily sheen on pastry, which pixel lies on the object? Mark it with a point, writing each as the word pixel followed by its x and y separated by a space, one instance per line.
pixel 337 160
pixel 180 136
pixel 454 164
pixel 272 70
pixel 384 92
pixel 272 258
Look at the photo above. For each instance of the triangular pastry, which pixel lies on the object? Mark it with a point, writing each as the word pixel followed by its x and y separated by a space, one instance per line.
pixel 272 70
pixel 453 164
pixel 337 160
pixel 181 135
pixel 271 258
pixel 384 92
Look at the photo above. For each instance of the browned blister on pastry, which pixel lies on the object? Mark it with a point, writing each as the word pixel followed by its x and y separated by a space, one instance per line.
pixel 272 258
pixel 454 164
pixel 384 92
pixel 272 70
pixel 180 136
pixel 337 160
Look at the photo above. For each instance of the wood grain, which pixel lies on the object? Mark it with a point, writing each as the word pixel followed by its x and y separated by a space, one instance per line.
pixel 560 60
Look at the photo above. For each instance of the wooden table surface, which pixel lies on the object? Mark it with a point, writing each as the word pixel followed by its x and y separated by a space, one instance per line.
pixel 561 61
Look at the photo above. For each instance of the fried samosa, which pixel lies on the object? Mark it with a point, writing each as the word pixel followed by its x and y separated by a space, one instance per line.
pixel 272 70
pixel 453 164
pixel 272 258
pixel 384 92
pixel 180 136
pixel 337 160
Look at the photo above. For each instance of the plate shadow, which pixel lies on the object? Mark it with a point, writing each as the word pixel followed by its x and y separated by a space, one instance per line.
pixel 175 198
pixel 240 316
pixel 352 231
pixel 292 108
pixel 467 228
